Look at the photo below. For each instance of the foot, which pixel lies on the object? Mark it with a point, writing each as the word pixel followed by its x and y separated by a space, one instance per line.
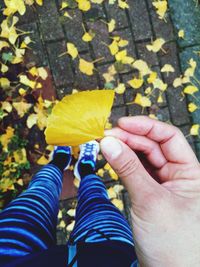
pixel 65 150
pixel 88 155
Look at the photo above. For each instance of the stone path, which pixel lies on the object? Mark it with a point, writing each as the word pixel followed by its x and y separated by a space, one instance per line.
pixel 139 25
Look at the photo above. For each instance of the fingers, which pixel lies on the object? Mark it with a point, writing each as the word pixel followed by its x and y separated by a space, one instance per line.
pixel 173 144
pixel 129 168
pixel 150 148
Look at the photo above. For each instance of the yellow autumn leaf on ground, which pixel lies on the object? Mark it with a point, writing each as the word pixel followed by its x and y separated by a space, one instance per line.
pixel 111 193
pixel 142 101
pixel 3 44
pixel 190 89
pixel 71 212
pixel 120 89
pixel 152 77
pixel 26 81
pixel 4 83
pixel 87 37
pixel 178 82
pixel 20 156
pixel 181 34
pixel 111 25
pixel 72 50
pixel 167 68
pixel 189 72
pixel 79 118
pixel 32 120
pixel 42 160
pixel 122 57
pixel 86 67
pixel 142 66
pixel 136 83
pixel 22 108
pixel 114 48
pixel 161 7
pixel 192 107
pixel 9 30
pixel 195 130
pixel 118 203
pixel 6 184
pixel 84 5
pixel 39 2
pixel 123 4
pixel 70 227
pixel 109 76
pixel 122 43
pixel 156 45
pixel 4 68
pixel 13 6
pixel 6 106
pixel 5 138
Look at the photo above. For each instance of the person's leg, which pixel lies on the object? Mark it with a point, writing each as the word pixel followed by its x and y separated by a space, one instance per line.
pixel 97 219
pixel 28 223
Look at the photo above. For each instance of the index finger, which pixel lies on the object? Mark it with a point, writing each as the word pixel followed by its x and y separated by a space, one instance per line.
pixel 171 140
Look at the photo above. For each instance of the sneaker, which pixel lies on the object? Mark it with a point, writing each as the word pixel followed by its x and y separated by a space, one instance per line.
pixel 88 155
pixel 65 150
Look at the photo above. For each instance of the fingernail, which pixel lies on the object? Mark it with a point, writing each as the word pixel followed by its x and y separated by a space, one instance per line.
pixel 111 147
pixel 107 132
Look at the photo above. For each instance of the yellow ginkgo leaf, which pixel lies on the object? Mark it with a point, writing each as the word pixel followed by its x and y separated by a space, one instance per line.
pixel 72 50
pixel 4 68
pixel 178 82
pixel 192 107
pixel 161 7
pixel 42 160
pixel 32 120
pixel 152 77
pixel 84 5
pixel 142 66
pixel 39 2
pixel 142 101
pixel 123 4
pixel 13 6
pixel 86 67
pixel 109 76
pixel 181 34
pixel 70 227
pixel 6 106
pixel 120 89
pixel 71 212
pixel 136 83
pixel 190 89
pixel 156 45
pixel 111 25
pixel 123 43
pixel 79 118
pixel 22 108
pixel 111 193
pixel 118 203
pixel 20 156
pixel 114 48
pixel 195 129
pixel 87 37
pixel 26 81
pixel 4 83
pixel 167 68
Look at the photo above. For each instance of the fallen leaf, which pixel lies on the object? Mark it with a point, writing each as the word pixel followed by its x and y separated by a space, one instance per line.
pixel 86 67
pixel 72 50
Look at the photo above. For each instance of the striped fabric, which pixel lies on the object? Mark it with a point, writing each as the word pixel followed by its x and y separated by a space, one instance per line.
pixel 29 222
pixel 97 219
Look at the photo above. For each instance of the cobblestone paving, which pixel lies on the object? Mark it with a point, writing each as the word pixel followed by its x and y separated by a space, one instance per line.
pixel 139 25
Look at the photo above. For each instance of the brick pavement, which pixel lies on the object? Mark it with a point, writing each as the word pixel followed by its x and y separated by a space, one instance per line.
pixel 50 31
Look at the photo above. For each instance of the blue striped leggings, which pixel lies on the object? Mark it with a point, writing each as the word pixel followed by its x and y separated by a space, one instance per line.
pixel 28 224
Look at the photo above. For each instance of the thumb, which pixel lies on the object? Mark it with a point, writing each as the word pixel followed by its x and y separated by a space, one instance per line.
pixel 127 165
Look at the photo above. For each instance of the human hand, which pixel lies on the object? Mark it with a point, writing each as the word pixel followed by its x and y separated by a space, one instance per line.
pixel 165 213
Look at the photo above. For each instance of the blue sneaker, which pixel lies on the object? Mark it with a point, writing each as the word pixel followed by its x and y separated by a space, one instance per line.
pixel 65 150
pixel 88 155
